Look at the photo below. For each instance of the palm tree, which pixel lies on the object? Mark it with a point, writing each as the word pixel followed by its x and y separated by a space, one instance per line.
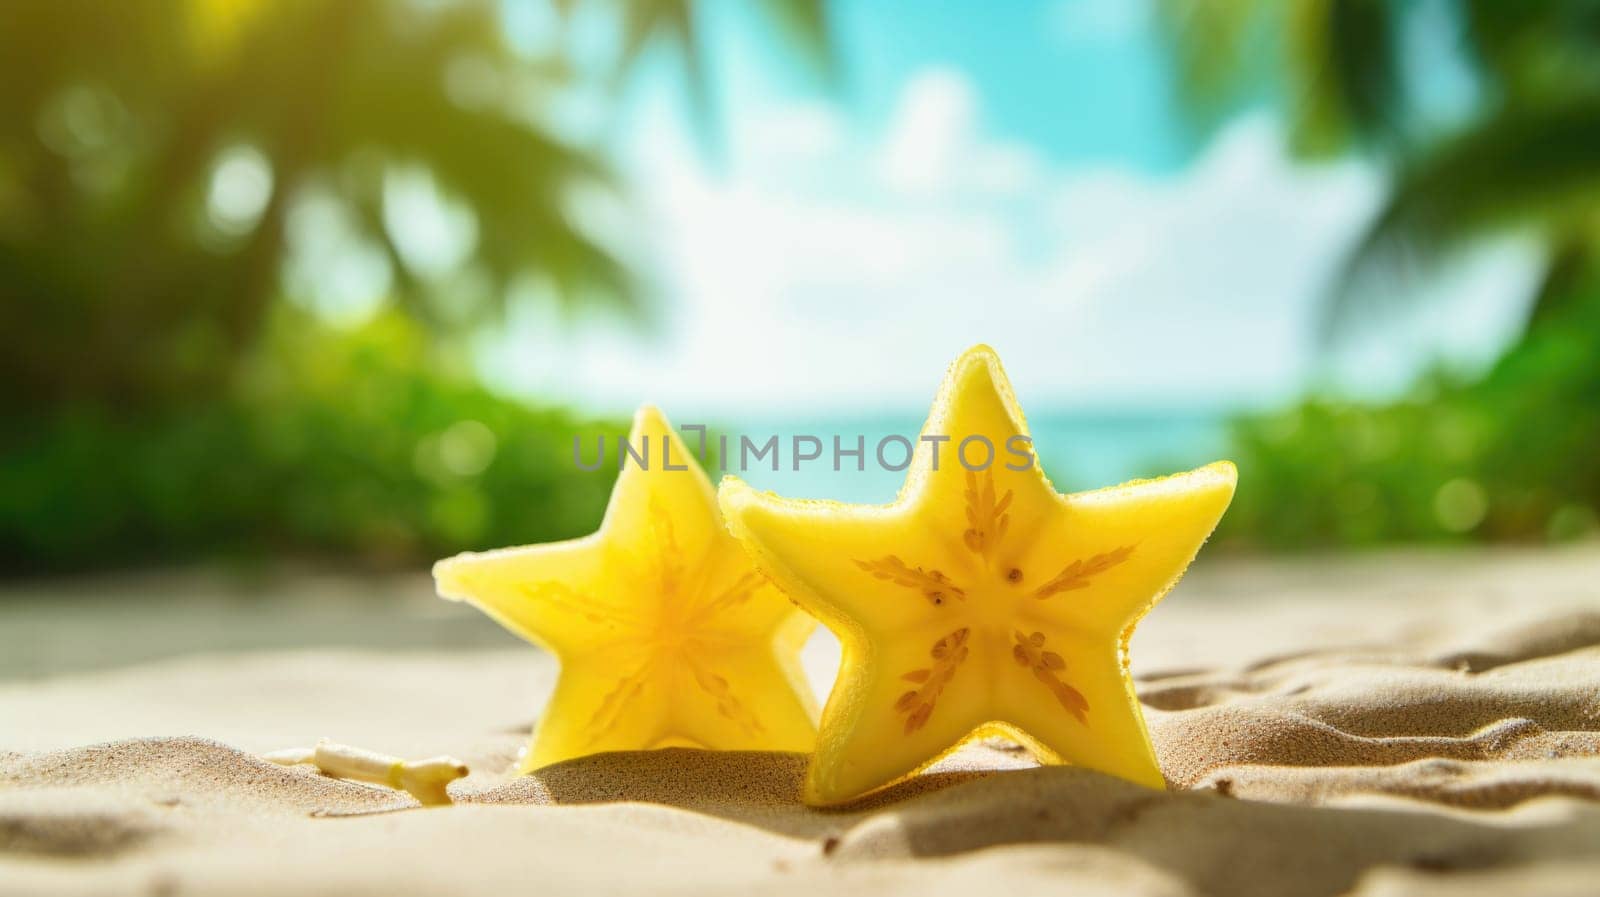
pixel 1508 454
pixel 1528 154
pixel 117 121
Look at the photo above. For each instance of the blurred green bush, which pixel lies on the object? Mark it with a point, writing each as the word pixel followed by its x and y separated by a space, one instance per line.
pixel 1511 456
pixel 350 444
pixel 166 166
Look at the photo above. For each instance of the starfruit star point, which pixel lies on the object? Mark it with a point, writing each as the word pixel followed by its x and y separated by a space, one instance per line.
pixel 981 600
pixel 666 634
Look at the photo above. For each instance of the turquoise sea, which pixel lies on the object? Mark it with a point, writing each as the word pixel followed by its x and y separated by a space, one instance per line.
pixel 1078 449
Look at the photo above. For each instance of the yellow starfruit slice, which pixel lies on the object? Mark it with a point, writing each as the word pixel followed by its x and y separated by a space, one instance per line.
pixel 666 634
pixel 981 601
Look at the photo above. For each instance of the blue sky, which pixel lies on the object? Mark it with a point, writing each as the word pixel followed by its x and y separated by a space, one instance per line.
pixel 1081 81
pixel 1010 173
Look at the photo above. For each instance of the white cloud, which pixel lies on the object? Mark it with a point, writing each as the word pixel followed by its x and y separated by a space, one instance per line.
pixel 804 133
pixel 1100 20
pixel 930 132
pixel 933 147
pixel 821 269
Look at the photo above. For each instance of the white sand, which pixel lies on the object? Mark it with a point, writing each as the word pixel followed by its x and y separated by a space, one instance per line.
pixel 1392 725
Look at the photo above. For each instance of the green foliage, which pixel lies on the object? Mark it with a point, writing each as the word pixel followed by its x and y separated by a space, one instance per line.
pixel 119 280
pixel 122 276
pixel 349 445
pixel 1525 155
pixel 1514 456
pixel 159 399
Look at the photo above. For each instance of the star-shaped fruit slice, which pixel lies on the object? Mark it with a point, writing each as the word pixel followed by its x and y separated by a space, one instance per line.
pixel 666 634
pixel 981 601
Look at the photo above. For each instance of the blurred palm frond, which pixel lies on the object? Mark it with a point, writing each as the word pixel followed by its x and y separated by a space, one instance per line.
pixel 1527 155
pixel 108 225
pixel 1531 168
pixel 115 118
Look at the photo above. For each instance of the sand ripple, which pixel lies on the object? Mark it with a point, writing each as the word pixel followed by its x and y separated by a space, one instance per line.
pixel 1456 752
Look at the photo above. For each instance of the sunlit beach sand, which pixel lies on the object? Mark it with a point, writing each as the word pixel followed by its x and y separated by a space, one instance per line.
pixel 1394 723
pixel 299 300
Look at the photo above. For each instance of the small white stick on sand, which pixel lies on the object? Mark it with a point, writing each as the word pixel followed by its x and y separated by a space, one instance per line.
pixel 424 779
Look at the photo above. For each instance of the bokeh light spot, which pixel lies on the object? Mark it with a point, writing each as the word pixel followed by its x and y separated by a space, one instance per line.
pixel 241 185
pixel 466 448
pixel 1460 505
